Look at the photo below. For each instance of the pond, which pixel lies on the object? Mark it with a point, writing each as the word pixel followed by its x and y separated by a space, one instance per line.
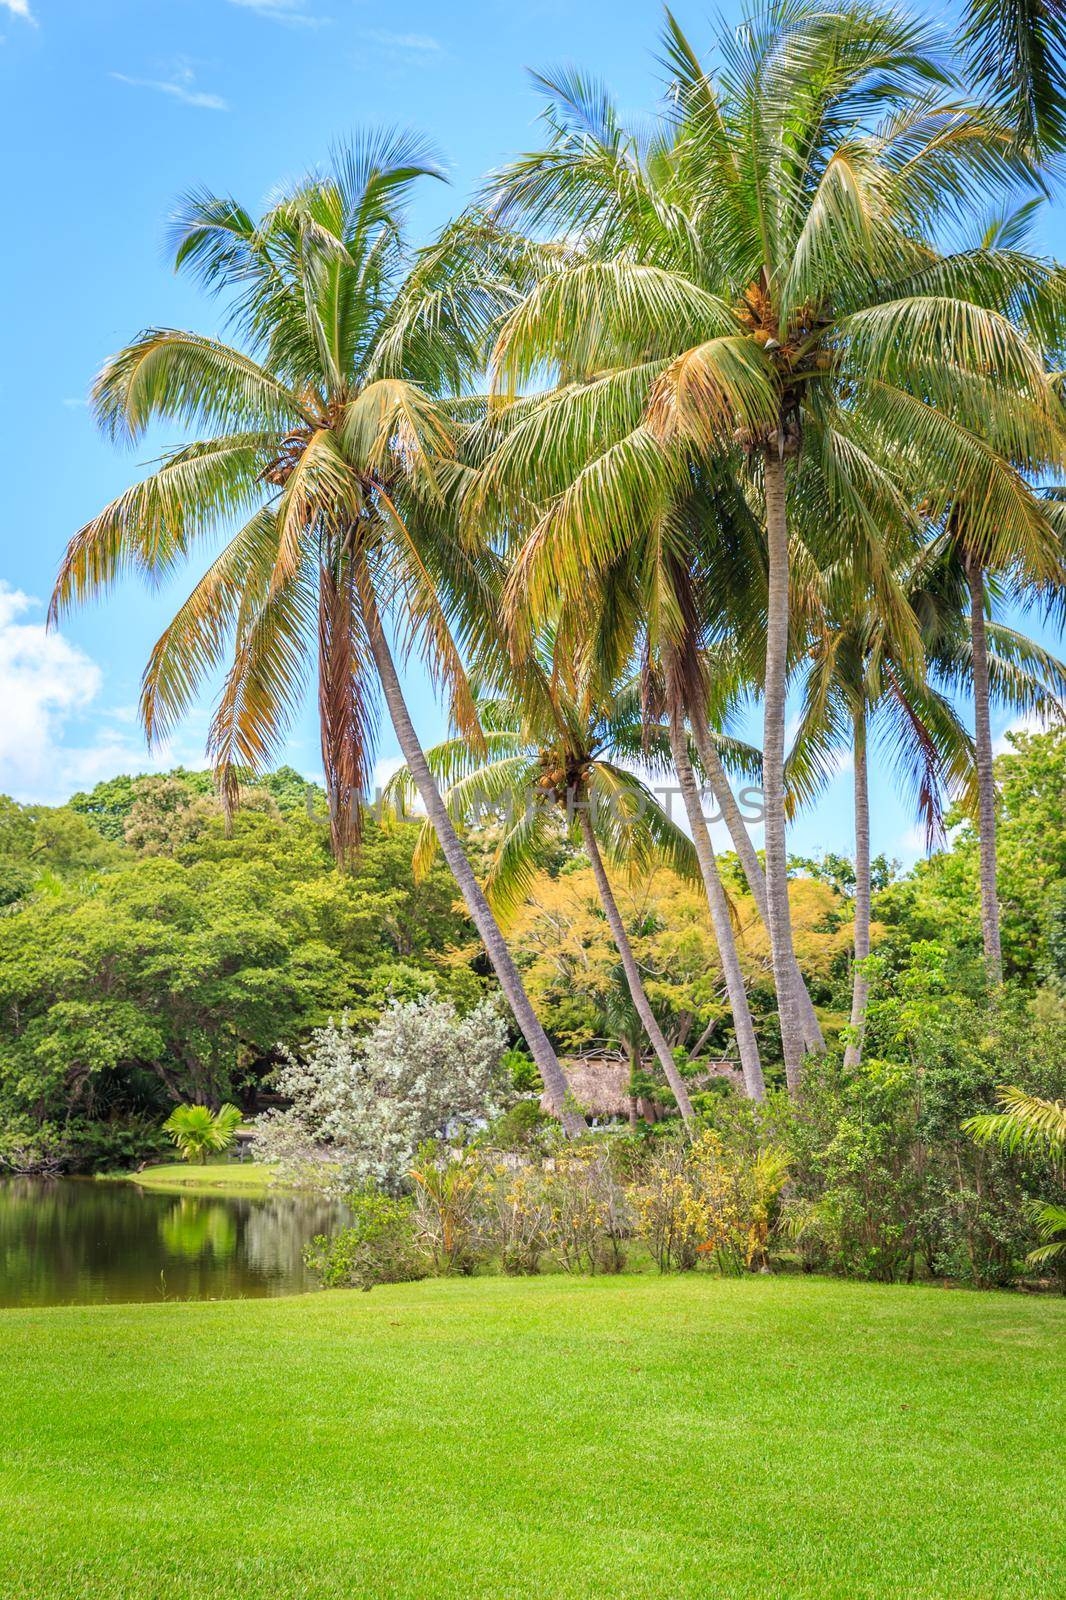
pixel 67 1241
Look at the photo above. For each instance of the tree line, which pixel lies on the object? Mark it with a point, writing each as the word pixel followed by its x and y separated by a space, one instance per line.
pixel 762 400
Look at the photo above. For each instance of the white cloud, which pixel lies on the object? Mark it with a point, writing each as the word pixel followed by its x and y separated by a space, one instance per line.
pixel 1029 722
pixel 290 11
pixel 180 86
pixel 19 8
pixel 48 684
pixel 912 844
pixel 386 767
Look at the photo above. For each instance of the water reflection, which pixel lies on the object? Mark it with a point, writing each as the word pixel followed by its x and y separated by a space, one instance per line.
pixel 64 1241
pixel 195 1228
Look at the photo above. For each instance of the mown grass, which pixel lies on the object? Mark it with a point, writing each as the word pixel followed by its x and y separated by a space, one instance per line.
pixel 211 1177
pixel 552 1438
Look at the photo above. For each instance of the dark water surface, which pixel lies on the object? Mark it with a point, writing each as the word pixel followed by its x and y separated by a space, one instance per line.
pixel 67 1241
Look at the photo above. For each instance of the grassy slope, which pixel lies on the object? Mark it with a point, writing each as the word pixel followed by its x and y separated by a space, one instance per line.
pixel 489 1438
pixel 232 1177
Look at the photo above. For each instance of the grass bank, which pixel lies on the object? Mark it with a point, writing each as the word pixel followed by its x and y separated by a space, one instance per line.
pixel 212 1177
pixel 550 1438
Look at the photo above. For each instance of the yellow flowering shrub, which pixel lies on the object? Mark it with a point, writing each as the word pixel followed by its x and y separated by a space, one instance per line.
pixel 588 1213
pixel 702 1200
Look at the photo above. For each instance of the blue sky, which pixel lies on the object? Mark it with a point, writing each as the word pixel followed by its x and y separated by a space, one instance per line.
pixel 111 109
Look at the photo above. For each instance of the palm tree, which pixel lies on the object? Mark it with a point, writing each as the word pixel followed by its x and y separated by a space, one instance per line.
pixel 717 902
pixel 857 678
pixel 329 431
pixel 996 665
pixel 198 1131
pixel 1017 50
pixel 1020 555
pixel 754 281
pixel 557 743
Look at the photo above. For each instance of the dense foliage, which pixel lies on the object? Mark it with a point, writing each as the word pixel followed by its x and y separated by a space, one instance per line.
pixel 358 1109
pixel 183 960
pixel 172 966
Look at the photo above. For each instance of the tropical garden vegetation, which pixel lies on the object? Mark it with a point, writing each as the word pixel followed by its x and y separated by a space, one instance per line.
pixel 759 406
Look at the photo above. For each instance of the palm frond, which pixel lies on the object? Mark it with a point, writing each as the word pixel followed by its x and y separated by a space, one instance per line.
pixel 1026 1122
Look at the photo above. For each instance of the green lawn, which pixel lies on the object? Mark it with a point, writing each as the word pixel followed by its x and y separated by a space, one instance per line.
pixel 774 1437
pixel 232 1177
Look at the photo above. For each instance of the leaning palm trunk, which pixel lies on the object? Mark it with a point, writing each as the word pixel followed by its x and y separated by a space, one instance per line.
pixel 632 971
pixel 860 983
pixel 721 788
pixel 551 1072
pixel 986 783
pixel 719 908
pixel 773 758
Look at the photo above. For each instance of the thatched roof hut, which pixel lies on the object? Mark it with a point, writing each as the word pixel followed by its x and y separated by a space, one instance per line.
pixel 601 1083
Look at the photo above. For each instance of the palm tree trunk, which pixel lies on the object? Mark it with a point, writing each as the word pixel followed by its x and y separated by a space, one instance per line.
pixel 986 783
pixel 722 789
pixel 773 764
pixel 632 971
pixel 555 1084
pixel 719 908
pixel 860 990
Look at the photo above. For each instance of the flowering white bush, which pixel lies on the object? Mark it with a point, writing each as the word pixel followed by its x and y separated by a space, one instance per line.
pixel 360 1107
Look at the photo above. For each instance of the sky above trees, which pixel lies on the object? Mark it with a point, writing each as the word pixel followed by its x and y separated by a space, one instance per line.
pixel 117 107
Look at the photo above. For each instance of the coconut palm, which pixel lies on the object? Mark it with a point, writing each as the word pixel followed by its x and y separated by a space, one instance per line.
pixel 1020 557
pixel 857 684
pixel 860 683
pixel 1017 50
pixel 754 280
pixel 558 746
pixel 996 665
pixel 329 433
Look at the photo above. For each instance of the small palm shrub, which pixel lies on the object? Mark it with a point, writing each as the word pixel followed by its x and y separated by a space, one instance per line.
pixel 1027 1123
pixel 450 1218
pixel 380 1246
pixel 199 1132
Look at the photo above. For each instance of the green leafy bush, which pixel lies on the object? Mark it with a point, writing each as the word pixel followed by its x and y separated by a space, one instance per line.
pixel 521 1127
pixel 379 1247
pixel 450 1219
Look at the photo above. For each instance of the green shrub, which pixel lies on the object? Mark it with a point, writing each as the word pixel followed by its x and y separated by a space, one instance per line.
pixel 379 1247
pixel 450 1218
pixel 519 1128
pixel 82 1144
pixel 522 1071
